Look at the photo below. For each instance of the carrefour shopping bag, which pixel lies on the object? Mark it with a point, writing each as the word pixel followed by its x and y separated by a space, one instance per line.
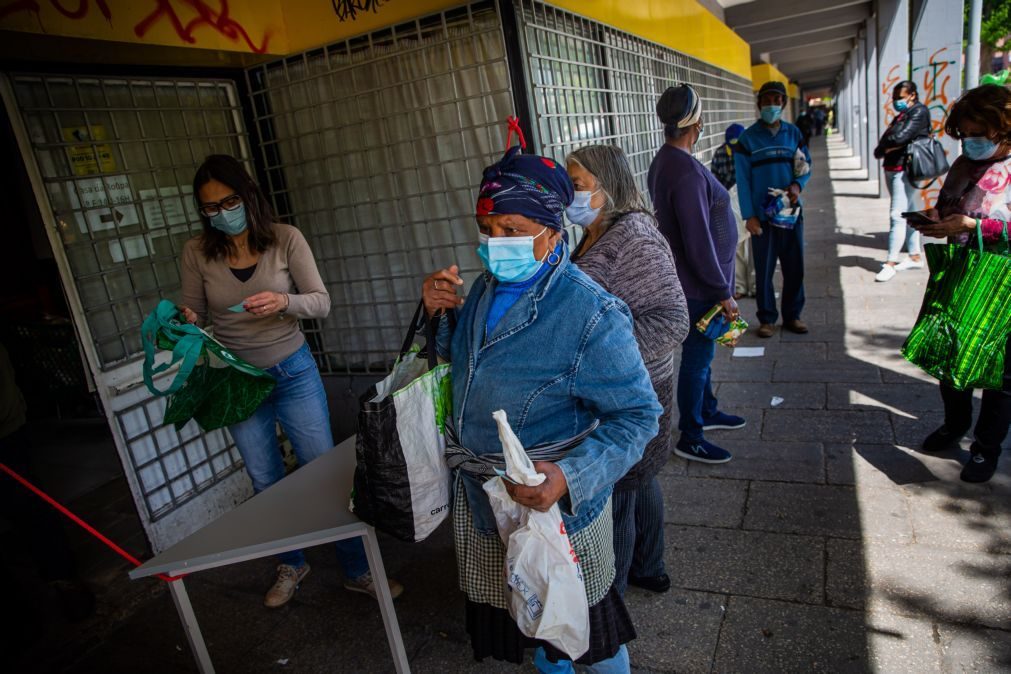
pixel 212 386
pixel 402 482
pixel 964 323
pixel 545 590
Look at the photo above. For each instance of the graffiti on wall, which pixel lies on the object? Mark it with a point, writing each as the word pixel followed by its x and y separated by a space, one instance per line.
pixel 183 17
pixel 205 15
pixel 937 91
pixel 888 82
pixel 348 9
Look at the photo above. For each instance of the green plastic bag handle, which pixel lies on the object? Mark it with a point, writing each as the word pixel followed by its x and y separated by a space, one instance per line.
pixel 188 346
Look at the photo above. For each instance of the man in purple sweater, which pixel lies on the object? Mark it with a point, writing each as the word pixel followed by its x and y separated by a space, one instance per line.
pixel 695 215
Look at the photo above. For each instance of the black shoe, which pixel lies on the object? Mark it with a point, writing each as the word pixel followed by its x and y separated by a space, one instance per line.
pixel 981 464
pixel 942 439
pixel 656 584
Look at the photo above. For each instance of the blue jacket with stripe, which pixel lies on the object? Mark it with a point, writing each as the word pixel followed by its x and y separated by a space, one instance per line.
pixel 763 160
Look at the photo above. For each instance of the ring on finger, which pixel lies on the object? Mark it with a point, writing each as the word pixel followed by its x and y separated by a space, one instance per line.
pixel 436 284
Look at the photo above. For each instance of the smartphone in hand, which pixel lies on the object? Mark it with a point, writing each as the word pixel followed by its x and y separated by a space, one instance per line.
pixel 917 218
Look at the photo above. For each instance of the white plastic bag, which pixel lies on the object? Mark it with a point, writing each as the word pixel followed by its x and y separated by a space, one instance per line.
pixel 544 582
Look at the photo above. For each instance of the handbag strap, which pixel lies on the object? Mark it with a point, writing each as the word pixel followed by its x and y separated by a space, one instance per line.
pixel 188 345
pixel 413 329
pixel 979 233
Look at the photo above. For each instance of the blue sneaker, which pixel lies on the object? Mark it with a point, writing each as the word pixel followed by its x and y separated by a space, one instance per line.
pixel 722 421
pixel 701 450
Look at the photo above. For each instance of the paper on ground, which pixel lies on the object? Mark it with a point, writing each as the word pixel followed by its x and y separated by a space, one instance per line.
pixel 749 351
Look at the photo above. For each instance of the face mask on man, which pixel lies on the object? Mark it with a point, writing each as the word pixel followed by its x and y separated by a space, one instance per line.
pixel 580 212
pixel 230 222
pixel 978 147
pixel 771 113
pixel 510 259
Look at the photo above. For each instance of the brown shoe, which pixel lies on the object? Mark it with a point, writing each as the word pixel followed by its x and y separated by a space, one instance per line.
pixel 796 326
pixel 288 578
pixel 766 330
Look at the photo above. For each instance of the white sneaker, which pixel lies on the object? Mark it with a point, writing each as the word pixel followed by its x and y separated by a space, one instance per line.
pixel 887 273
pixel 366 585
pixel 909 263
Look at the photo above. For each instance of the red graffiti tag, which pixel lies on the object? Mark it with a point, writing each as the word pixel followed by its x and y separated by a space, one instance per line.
pixel 218 20
pixel 32 7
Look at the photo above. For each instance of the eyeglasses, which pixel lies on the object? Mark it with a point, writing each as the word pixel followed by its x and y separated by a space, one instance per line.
pixel 228 204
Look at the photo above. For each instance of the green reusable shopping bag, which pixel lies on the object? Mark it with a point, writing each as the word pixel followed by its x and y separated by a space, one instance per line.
pixel 212 386
pixel 960 335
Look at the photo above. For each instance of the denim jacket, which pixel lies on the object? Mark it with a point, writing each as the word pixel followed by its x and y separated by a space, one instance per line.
pixel 562 356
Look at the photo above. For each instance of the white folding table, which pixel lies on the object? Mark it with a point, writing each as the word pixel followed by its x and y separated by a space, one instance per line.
pixel 306 508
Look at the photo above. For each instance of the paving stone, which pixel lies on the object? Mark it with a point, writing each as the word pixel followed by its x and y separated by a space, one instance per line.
pixel 972 649
pixel 828 510
pixel 901 644
pixel 956 586
pixel 754 370
pixel 677 630
pixel 829 371
pixel 911 432
pixel 952 514
pixel 825 426
pixel 745 562
pixel 704 502
pixel 880 465
pixel 908 399
pixel 846 583
pixel 760 460
pixel 795 396
pixel 760 635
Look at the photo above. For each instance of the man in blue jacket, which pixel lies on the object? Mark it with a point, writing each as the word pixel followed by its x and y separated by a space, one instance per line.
pixel 764 160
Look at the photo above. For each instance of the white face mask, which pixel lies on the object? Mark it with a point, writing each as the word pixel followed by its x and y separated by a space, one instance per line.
pixel 580 212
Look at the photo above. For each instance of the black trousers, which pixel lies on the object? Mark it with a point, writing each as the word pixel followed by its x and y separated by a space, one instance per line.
pixel 36 523
pixel 994 413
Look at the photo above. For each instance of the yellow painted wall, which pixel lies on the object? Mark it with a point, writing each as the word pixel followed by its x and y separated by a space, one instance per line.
pixel 290 26
pixel 765 72
pixel 684 25
pixel 252 26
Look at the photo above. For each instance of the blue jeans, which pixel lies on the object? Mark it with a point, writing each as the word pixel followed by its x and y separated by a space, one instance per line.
pixel 298 402
pixel 695 398
pixel 786 245
pixel 638 533
pixel 901 193
pixel 615 665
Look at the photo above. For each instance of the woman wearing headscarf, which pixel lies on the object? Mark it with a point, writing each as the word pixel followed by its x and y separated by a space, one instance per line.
pixel 694 212
pixel 623 251
pixel 539 339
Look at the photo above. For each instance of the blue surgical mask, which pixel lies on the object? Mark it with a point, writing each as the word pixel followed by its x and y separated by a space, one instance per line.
pixel 978 147
pixel 580 212
pixel 510 259
pixel 900 105
pixel 230 222
pixel 771 113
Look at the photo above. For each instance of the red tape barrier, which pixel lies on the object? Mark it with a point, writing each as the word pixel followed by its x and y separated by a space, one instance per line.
pixel 81 523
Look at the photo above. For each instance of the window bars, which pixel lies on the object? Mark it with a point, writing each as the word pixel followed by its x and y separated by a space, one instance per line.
pixel 374 147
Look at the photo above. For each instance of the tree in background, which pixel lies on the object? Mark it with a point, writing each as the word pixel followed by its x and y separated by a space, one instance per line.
pixel 993 32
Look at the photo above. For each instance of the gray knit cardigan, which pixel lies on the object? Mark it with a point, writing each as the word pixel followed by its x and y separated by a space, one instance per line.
pixel 633 262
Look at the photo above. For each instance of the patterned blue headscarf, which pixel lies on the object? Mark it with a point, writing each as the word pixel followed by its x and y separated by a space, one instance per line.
pixel 528 185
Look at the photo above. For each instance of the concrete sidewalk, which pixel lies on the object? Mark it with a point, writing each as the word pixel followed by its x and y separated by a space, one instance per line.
pixel 829 543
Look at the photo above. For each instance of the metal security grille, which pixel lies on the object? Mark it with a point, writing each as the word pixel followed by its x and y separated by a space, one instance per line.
pixel 374 148
pixel 591 83
pixel 115 159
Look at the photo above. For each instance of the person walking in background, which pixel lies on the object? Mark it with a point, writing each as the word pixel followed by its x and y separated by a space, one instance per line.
pixel 722 166
pixel 912 121
pixel 975 199
pixel 694 212
pixel 625 253
pixel 255 278
pixel 764 160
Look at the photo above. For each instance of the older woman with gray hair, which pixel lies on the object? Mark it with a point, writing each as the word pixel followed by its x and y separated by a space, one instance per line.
pixel 624 252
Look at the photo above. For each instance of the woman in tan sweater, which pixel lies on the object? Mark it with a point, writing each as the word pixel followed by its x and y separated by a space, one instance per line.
pixel 254 279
